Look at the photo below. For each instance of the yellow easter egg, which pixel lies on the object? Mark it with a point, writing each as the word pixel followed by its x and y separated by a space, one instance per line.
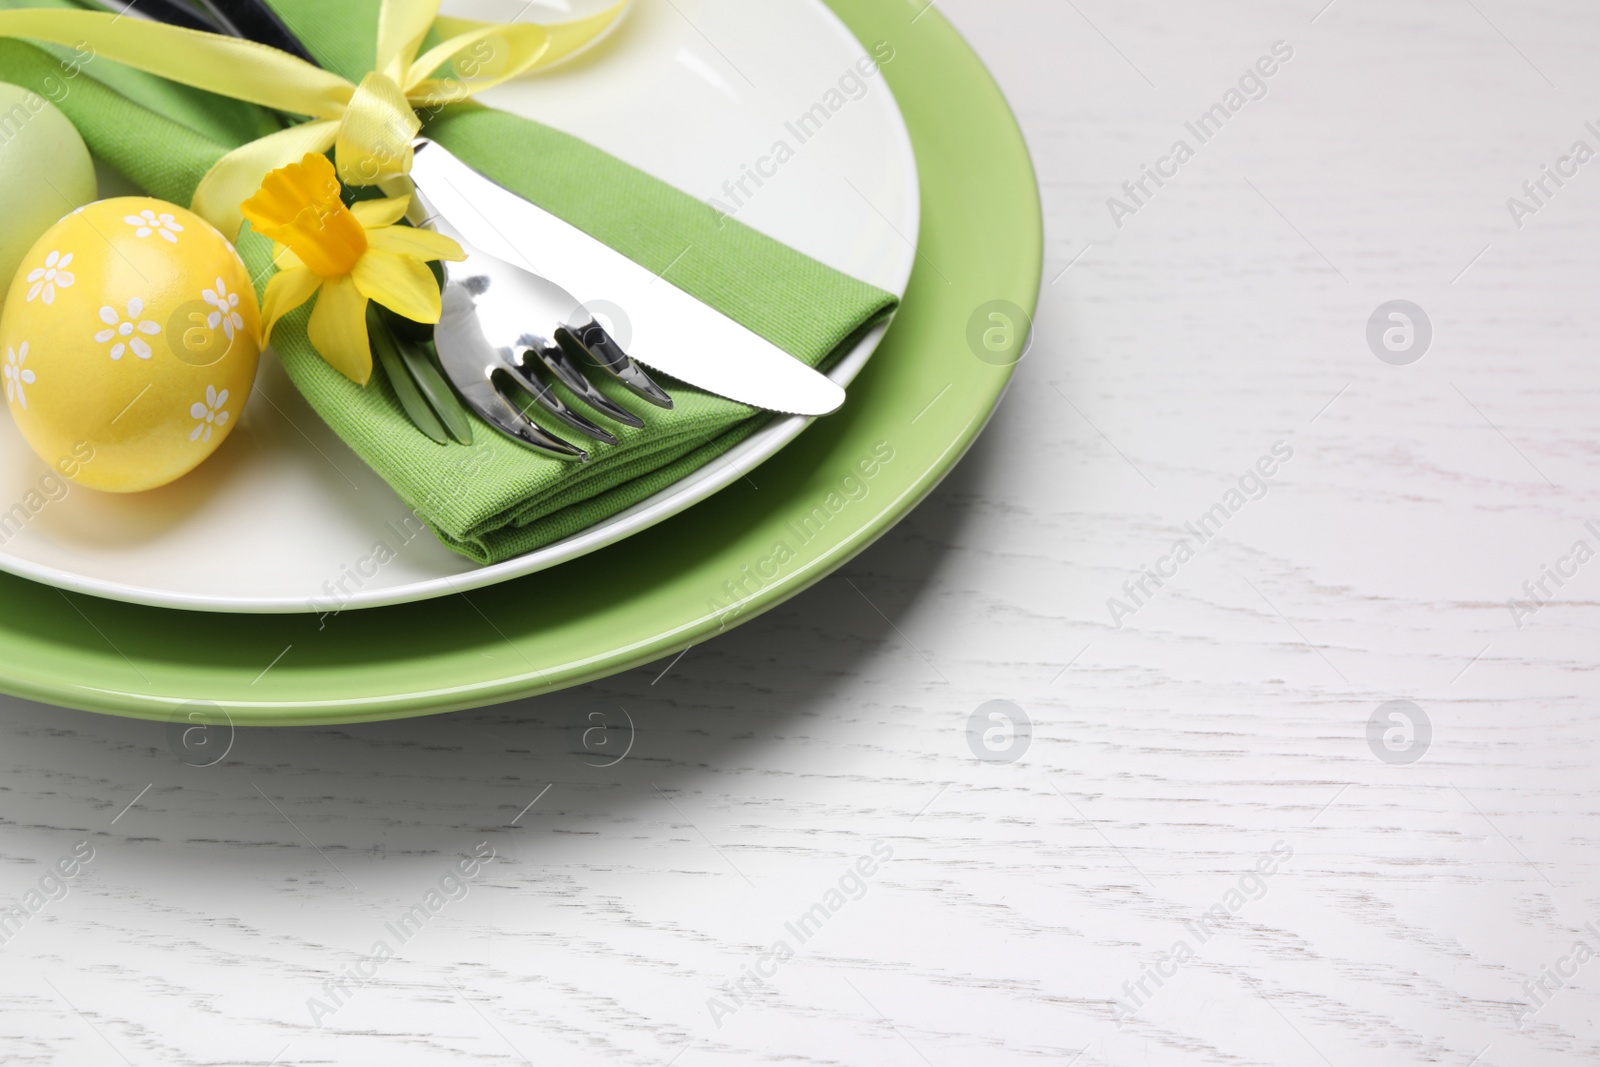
pixel 128 343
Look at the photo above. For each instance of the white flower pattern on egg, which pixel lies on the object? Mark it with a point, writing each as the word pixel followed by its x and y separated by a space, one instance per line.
pixel 209 414
pixel 226 315
pixel 148 222
pixel 16 375
pixel 121 330
pixel 50 277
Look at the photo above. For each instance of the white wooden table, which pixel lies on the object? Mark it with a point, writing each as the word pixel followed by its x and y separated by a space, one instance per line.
pixel 1093 895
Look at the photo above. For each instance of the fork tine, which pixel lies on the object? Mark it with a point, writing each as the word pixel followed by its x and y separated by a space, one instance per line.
pixel 503 415
pixel 563 360
pixel 546 398
pixel 609 356
pixel 469 364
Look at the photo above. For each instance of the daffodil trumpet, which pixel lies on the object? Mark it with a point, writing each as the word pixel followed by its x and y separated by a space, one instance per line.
pixel 345 256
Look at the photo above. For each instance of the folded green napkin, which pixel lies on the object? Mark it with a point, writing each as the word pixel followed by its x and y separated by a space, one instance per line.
pixel 491 500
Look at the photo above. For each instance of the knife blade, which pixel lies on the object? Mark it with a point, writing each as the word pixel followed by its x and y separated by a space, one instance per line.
pixel 673 332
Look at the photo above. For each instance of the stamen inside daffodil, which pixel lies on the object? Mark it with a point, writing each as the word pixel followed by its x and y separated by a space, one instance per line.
pixel 347 254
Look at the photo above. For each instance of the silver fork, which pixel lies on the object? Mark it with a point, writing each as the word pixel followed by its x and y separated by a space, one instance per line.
pixel 503 325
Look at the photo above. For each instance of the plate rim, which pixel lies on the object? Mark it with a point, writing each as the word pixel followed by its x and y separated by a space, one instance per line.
pixel 696 487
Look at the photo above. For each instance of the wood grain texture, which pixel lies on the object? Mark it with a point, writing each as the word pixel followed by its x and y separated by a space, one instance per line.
pixel 1225 718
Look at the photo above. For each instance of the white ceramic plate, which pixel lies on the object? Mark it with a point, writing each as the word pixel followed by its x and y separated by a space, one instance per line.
pixel 692 91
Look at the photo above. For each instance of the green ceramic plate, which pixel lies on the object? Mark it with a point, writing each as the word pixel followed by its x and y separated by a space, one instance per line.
pixel 911 415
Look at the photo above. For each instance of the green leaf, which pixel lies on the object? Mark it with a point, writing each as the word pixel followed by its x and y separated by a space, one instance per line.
pixel 415 347
pixel 430 381
pixel 400 378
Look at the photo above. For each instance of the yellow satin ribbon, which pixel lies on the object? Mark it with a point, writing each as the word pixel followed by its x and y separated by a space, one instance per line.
pixel 369 125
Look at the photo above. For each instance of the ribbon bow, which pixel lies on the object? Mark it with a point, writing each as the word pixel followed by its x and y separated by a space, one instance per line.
pixel 369 125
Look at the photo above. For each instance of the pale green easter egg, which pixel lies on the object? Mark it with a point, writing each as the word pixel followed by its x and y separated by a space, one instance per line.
pixel 45 172
pixel 128 343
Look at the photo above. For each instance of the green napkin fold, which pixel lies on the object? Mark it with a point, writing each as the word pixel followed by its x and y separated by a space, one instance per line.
pixel 491 500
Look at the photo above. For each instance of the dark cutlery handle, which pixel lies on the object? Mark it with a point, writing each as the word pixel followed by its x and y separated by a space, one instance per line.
pixel 178 13
pixel 255 21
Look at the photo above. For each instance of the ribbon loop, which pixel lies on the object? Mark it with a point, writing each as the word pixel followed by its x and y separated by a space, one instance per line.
pixel 401 30
pixel 375 134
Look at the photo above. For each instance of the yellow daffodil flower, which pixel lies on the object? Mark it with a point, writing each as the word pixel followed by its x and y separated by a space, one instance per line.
pixel 348 254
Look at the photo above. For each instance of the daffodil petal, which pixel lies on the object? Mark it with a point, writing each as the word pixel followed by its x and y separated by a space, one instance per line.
pixel 338 328
pixel 374 213
pixel 403 284
pixel 410 241
pixel 286 291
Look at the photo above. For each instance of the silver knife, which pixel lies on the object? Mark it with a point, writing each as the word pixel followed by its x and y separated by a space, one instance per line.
pixel 673 332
